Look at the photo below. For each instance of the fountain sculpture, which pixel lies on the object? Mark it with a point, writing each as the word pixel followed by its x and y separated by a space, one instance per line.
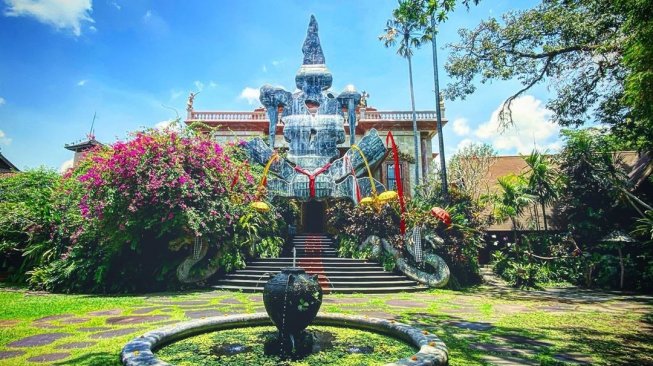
pixel 313 125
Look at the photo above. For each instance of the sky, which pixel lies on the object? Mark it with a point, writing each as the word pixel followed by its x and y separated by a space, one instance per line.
pixel 132 64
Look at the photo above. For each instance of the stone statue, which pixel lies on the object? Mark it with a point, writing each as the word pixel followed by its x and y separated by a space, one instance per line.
pixel 363 102
pixel 191 99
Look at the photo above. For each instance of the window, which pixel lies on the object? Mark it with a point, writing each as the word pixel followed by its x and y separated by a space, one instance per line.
pixel 390 176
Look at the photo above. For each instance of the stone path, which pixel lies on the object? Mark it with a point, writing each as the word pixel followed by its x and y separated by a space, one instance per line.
pixel 472 320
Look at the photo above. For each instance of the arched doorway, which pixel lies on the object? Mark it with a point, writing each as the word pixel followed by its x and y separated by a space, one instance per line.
pixel 313 216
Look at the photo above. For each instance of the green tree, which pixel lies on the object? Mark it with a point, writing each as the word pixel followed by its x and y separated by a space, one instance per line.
pixel 590 204
pixel 595 53
pixel 28 219
pixel 407 29
pixel 542 180
pixel 513 199
pixel 469 166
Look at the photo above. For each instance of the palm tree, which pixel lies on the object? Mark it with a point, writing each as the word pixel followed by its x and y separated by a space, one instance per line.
pixel 542 180
pixel 512 201
pixel 407 29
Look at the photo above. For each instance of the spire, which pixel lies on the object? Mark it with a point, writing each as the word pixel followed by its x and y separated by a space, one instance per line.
pixel 312 49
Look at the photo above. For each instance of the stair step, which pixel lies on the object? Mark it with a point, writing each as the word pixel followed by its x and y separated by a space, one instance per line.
pixel 317 254
pixel 325 246
pixel 343 278
pixel 302 262
pixel 316 258
pixel 371 272
pixel 324 267
pixel 326 283
pixel 364 290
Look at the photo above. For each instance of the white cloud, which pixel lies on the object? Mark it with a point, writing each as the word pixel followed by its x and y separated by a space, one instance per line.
pixel 61 14
pixel 276 63
pixel 116 5
pixel 461 127
pixel 532 127
pixel 82 82
pixel 3 101
pixel 148 15
pixel 168 124
pixel 463 144
pixel 264 68
pixel 199 85
pixel 250 94
pixel 66 165
pixel 4 140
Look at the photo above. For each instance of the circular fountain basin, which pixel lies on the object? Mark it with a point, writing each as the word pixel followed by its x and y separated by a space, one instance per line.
pixel 432 351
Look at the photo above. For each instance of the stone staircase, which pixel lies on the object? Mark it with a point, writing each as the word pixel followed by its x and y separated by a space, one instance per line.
pixel 317 255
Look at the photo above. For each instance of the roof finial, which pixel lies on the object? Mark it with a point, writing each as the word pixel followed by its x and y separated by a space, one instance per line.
pixel 312 49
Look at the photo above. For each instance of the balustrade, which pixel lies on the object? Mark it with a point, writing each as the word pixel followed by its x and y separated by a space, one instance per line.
pixel 262 116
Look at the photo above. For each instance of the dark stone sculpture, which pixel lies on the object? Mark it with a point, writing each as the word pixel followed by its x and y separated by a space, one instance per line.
pixel 312 49
pixel 313 121
pixel 292 299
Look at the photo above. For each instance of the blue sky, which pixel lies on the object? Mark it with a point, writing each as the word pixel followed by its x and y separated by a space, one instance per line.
pixel 133 62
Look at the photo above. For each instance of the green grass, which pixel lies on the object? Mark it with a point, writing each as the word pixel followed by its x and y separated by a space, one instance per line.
pixel 612 335
pixel 200 350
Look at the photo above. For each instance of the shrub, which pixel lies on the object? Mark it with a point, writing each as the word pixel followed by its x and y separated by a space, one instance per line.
pixel 141 201
pixel 462 240
pixel 28 221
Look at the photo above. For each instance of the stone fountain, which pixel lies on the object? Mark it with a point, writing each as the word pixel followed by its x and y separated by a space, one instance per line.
pixel 292 300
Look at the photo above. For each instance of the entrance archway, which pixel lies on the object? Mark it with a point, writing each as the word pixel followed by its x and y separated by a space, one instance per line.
pixel 313 216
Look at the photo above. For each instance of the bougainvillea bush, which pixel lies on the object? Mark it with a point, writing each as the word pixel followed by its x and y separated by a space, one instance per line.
pixel 138 204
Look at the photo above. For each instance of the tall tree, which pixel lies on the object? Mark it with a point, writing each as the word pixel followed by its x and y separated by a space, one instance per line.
pixel 407 29
pixel 596 54
pixel 513 199
pixel 470 165
pixel 542 180
pixel 590 206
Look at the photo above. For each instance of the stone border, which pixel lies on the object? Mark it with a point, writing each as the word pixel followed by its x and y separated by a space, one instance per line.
pixel 139 351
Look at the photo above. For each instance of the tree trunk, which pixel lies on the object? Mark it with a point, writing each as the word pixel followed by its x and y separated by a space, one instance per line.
pixel 438 113
pixel 546 227
pixel 514 231
pixel 412 104
pixel 621 265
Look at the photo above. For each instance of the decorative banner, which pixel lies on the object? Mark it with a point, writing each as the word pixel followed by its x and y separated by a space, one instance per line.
pixel 264 179
pixel 400 186
pixel 311 177
pixel 237 176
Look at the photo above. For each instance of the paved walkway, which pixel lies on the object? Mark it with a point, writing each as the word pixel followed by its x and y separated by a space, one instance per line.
pixel 486 326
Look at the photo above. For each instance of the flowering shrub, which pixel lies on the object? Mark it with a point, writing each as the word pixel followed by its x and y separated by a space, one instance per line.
pixel 134 208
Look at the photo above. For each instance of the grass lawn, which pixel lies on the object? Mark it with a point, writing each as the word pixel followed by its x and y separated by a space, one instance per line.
pixel 483 326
